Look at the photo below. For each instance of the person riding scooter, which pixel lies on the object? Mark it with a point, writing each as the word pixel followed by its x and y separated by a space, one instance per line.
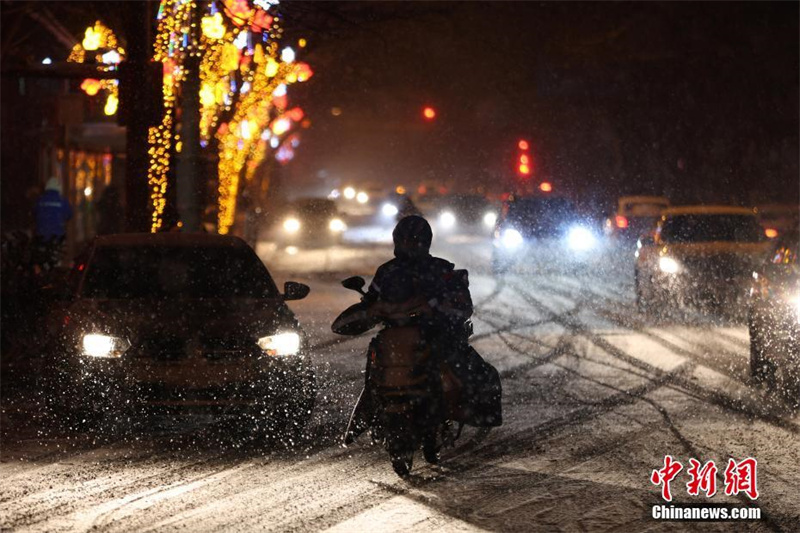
pixel 428 288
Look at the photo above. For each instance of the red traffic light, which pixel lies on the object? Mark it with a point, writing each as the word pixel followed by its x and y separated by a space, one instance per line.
pixel 429 113
pixel 523 144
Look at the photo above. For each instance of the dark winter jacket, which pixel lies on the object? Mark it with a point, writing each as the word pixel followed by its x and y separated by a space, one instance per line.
pixel 52 213
pixel 446 290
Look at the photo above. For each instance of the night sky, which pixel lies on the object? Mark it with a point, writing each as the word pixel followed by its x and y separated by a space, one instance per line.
pixel 698 101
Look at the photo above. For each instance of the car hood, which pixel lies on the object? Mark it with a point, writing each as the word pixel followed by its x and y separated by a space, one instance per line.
pixel 722 260
pixel 245 317
pixel 756 251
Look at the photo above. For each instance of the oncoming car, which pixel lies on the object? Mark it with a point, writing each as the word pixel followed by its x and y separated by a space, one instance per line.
pixel 464 213
pixel 179 321
pixel 635 216
pixel 311 222
pixel 547 223
pixel 702 255
pixel 774 316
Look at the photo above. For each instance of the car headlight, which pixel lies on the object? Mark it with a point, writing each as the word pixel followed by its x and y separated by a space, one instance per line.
pixel 490 219
pixel 291 225
pixel 795 303
pixel 280 344
pixel 511 238
pixel 336 225
pixel 580 238
pixel 447 220
pixel 389 210
pixel 362 198
pixel 108 346
pixel 669 265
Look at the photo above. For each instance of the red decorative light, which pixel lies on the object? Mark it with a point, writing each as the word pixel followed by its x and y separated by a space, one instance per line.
pixel 523 145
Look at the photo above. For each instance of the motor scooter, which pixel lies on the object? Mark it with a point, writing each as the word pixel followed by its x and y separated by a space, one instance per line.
pixel 406 390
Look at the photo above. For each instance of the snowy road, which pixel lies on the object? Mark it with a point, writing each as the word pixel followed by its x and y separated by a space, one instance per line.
pixel 595 395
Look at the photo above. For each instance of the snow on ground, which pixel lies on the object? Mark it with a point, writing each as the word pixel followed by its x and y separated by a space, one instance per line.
pixel 595 395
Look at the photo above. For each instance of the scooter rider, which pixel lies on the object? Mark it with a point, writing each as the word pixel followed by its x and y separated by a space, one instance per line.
pixel 413 281
pixel 414 275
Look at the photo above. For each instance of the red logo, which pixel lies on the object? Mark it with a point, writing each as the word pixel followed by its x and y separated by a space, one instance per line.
pixel 665 476
pixel 741 477
pixel 704 478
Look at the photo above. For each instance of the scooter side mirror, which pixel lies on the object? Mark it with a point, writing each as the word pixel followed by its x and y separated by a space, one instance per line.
pixel 295 291
pixel 354 283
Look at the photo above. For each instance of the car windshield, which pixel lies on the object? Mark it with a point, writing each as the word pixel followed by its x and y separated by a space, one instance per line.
pixel 315 208
pixel 712 228
pixel 466 203
pixel 176 272
pixel 529 210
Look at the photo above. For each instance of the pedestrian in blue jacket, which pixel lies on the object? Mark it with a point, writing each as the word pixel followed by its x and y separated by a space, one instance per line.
pixel 52 212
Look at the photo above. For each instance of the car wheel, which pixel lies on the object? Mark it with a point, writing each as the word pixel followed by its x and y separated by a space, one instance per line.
pixel 760 368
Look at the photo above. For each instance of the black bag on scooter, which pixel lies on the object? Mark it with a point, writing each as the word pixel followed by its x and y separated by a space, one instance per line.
pixel 480 392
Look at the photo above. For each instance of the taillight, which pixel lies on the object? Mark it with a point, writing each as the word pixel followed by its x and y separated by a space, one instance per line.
pixel 621 221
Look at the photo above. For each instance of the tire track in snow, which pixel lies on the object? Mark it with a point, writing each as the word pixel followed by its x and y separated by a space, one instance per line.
pixel 761 412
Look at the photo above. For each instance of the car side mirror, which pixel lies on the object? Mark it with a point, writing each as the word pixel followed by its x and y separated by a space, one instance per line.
pixel 295 291
pixel 354 283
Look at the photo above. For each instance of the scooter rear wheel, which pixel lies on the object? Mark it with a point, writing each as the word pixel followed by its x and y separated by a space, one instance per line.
pixel 431 448
pixel 402 463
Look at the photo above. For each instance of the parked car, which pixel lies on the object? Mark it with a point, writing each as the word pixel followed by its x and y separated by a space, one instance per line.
pixel 778 219
pixel 774 316
pixel 548 223
pixel 178 321
pixel 311 222
pixel 699 255
pixel 464 213
pixel 634 216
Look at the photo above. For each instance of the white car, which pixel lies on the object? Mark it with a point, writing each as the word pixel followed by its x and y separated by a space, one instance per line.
pixel 699 255
pixel 635 216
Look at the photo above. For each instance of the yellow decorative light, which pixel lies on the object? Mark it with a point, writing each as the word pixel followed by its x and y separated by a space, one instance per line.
pixel 91 86
pixel 213 27
pixel 111 104
pixel 272 67
pixel 100 37
pixel 230 57
pixel 237 82
pixel 207 94
pixel 91 39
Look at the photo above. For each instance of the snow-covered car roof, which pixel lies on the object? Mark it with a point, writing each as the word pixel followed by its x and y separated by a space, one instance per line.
pixel 707 210
pixel 169 239
pixel 643 200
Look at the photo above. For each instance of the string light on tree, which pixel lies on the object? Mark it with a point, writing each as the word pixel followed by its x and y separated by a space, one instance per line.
pixel 100 39
pixel 240 69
